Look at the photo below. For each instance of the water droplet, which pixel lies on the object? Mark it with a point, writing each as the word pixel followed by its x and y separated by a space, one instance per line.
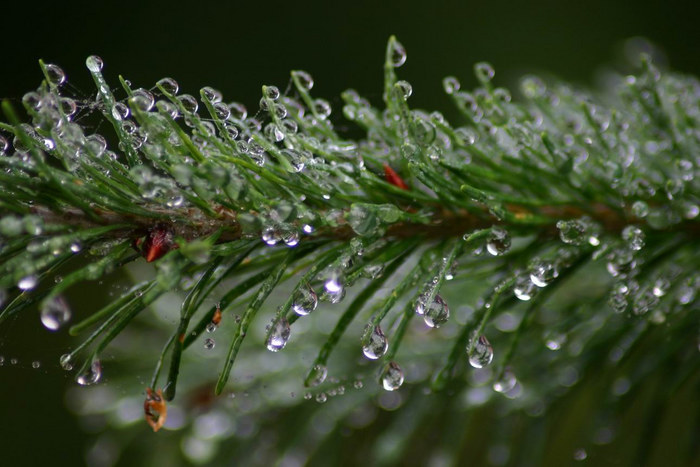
pixel 634 237
pixel 271 235
pixel 28 282
pixel 271 92
pixel 437 313
pixel 92 375
pixel 375 344
pixel 210 94
pixel 392 377
pixel 55 75
pixel 498 242
pixel 94 63
pixel 580 454
pixel 36 364
pixel 640 209
pixel 278 335
pixel 169 85
pixel 189 103
pixel 66 362
pixel 120 111
pixel 305 301
pixel 143 100
pixel 524 289
pixel 321 397
pixel 450 84
pixel 289 235
pixel 661 286
pixel 305 79
pixel 506 382
pixel 317 375
pixel 571 232
pixel 480 352
pixel 542 273
pixel 209 343
pixel 221 111
pixel 238 111
pixel 404 89
pixel 322 108
pixel 484 72
pixel 55 313
pixel 397 54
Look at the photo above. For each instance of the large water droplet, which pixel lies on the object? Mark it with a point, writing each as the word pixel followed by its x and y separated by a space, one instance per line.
pixel 524 289
pixel 94 63
pixel 498 242
pixel 66 361
pixel 92 375
pixel 480 352
pixel 392 376
pixel 305 301
pixel 317 375
pixel 397 54
pixel 55 313
pixel 305 79
pixel 437 313
pixel 404 89
pixel 143 100
pixel 169 85
pixel 189 103
pixel 542 273
pixel 375 344
pixel 633 236
pixel 279 335
pixel 28 282
pixel 506 382
pixel 55 75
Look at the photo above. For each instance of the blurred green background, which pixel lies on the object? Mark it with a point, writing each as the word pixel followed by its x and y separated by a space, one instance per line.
pixel 238 46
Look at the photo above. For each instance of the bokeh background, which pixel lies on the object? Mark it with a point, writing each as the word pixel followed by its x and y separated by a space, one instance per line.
pixel 238 46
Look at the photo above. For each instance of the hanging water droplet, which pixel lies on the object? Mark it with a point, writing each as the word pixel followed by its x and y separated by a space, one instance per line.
pixel 55 313
pixel 120 111
pixel 28 282
pixel 392 376
pixel 506 382
pixel 397 54
pixel 524 289
pixel 451 85
pixel 305 301
pixel 221 111
pixel 375 344
pixel 484 72
pixel 143 100
pixel 542 273
pixel 322 108
pixel 498 242
pixel 271 235
pixel 55 75
pixel 209 343
pixel 271 92
pixel 304 79
pixel 278 335
pixel 404 89
pixel 169 85
pixel 66 362
pixel 317 375
pixel 94 63
pixel 634 237
pixel 210 94
pixel 480 352
pixel 92 375
pixel 437 313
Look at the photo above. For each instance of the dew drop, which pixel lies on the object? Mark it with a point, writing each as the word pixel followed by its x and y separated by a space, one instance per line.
pixel 55 313
pixel 317 375
pixel 94 63
pixel 305 301
pixel 321 397
pixel 120 111
pixel 278 335
pixel 209 343
pixel 397 54
pixel 36 364
pixel 524 289
pixel 498 242
pixel 305 80
pixel 221 111
pixel 270 235
pixel 580 454
pixel 55 75
pixel 375 344
pixel 168 85
pixel 143 100
pixel 66 362
pixel 289 235
pixel 506 382
pixel 640 209
pixel 92 375
pixel 542 273
pixel 322 108
pixel 480 352
pixel 28 282
pixel 189 103
pixel 437 313
pixel 404 89
pixel 392 376
pixel 571 232
pixel 271 92
pixel 238 111
pixel 210 94
pixel 450 84
pixel 634 237
pixel 484 72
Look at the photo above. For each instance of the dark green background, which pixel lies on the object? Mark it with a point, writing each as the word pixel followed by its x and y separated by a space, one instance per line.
pixel 238 46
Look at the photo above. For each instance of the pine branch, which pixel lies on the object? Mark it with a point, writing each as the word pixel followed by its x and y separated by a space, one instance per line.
pixel 533 200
